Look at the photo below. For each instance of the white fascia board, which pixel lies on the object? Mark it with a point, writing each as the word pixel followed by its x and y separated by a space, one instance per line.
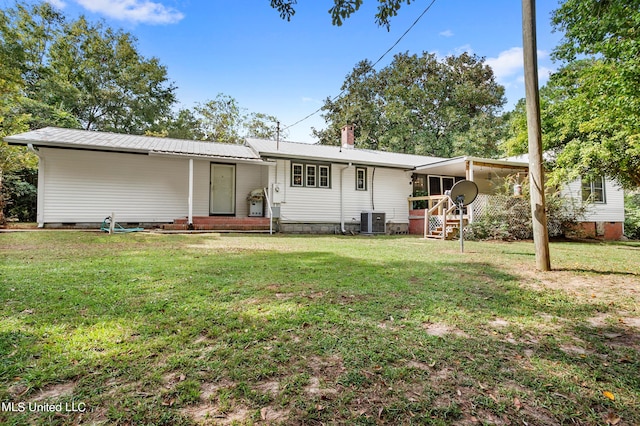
pixel 307 158
pixel 64 145
pixel 221 159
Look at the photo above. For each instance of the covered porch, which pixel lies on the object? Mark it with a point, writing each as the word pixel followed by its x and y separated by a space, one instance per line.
pixel 433 214
pixel 225 195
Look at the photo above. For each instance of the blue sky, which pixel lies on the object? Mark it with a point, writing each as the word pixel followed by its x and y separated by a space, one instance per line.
pixel 242 48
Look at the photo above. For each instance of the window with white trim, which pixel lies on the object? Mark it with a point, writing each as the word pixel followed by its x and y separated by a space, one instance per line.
pixel 311 175
pixel 361 178
pixel 297 175
pixel 593 190
pixel 323 171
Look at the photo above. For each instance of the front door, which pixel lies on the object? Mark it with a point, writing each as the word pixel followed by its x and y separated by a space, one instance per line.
pixel 223 189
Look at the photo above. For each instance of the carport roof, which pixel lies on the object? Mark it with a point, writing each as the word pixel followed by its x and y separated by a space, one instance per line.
pixel 457 166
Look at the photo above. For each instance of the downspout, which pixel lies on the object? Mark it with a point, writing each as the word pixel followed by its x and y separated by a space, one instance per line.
pixel 342 229
pixel 40 196
pixel 373 176
pixel 190 200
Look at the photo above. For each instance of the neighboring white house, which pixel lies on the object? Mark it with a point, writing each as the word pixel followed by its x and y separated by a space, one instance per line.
pixel 85 176
pixel 604 201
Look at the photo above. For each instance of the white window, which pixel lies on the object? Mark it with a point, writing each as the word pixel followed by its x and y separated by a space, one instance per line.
pixel 296 175
pixel 324 176
pixel 593 190
pixel 311 175
pixel 361 178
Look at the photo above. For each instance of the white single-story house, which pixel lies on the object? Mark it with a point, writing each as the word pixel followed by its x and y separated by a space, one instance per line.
pixel 85 176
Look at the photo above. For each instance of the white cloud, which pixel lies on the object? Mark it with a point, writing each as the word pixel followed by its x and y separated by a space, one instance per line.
pixel 58 4
pixel 144 11
pixel 508 63
pixel 446 33
pixel 466 48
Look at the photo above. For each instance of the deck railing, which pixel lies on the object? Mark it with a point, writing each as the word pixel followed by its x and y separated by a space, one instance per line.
pixel 440 209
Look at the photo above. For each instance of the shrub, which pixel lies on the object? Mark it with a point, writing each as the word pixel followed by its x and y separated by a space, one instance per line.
pixel 505 216
pixel 632 215
pixel 20 194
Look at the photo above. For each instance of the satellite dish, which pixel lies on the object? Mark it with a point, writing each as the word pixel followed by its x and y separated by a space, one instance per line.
pixel 464 192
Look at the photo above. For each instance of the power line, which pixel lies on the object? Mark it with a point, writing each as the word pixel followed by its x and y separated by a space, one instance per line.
pixel 372 66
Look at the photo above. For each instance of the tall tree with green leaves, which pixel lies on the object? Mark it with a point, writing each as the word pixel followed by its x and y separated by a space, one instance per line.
pixel 80 74
pixel 26 34
pixel 223 120
pixel 420 104
pixel 99 74
pixel 262 126
pixel 220 119
pixel 591 106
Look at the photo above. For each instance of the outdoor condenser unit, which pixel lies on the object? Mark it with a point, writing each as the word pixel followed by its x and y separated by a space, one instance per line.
pixel 372 223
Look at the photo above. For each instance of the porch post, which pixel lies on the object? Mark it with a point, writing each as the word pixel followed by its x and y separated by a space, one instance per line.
pixel 190 215
pixel 470 177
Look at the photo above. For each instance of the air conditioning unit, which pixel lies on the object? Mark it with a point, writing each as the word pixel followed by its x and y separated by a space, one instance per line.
pixel 372 223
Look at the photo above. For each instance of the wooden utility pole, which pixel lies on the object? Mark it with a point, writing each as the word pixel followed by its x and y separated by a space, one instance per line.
pixel 536 172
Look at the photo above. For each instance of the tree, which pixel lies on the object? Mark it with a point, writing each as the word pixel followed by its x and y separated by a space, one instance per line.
pixel 70 74
pixel 105 82
pixel 262 126
pixel 181 125
pixel 73 74
pixel 220 119
pixel 26 34
pixel 343 9
pixel 223 120
pixel 420 105
pixel 591 106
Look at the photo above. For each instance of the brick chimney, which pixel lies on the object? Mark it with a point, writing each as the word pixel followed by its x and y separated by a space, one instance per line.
pixel 348 139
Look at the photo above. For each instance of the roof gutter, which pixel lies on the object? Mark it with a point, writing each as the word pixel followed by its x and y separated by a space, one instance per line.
pixel 306 158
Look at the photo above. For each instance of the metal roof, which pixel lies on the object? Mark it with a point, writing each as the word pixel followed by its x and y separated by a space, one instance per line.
pixel 254 150
pixel 103 141
pixel 305 151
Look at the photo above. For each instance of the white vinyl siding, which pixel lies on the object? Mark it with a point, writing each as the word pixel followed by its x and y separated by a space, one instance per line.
pixel 248 178
pixel 87 186
pixel 390 187
pixel 611 211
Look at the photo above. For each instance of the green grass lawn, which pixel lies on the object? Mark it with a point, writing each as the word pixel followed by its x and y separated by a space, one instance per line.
pixel 236 329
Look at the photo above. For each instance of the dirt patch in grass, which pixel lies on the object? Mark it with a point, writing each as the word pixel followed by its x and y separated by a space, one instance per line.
pixel 208 414
pixel 54 392
pixel 442 330
pixel 583 284
pixel 270 387
pixel 328 367
pixel 498 323
pixel 209 410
